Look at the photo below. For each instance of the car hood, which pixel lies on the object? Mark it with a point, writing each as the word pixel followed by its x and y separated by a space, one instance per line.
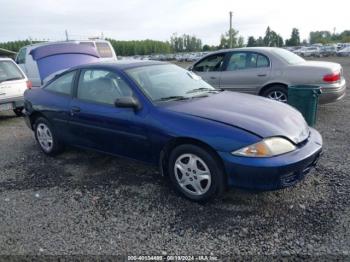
pixel 258 115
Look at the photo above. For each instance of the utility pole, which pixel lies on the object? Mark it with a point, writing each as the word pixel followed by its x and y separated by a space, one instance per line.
pixel 66 34
pixel 230 31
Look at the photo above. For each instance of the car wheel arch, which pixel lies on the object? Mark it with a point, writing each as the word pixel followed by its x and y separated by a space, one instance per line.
pixel 175 142
pixel 34 116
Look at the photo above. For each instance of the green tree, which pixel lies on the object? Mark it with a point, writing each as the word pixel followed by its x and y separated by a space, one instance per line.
pixel 260 41
pixel 240 42
pixel 206 48
pixel 251 41
pixel 294 38
pixel 322 37
pixel 140 47
pixel 185 43
pixel 345 36
pixel 225 39
pixel 271 38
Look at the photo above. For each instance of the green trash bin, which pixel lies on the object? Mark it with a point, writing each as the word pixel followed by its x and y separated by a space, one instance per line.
pixel 305 99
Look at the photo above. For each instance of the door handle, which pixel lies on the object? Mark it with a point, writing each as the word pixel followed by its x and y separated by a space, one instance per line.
pixel 212 77
pixel 261 75
pixel 74 110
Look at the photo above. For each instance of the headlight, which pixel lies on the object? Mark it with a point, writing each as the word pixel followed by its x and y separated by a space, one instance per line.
pixel 268 147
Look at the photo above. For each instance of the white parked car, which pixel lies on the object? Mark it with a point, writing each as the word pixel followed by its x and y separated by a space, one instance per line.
pixel 310 51
pixel 344 52
pixel 13 83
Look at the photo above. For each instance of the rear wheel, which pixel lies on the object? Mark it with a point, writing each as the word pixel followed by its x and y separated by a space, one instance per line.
pixel 195 173
pixel 46 137
pixel 18 111
pixel 277 93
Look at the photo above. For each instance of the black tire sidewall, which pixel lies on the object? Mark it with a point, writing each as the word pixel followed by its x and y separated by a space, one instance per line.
pixel 18 111
pixel 273 88
pixel 217 186
pixel 57 147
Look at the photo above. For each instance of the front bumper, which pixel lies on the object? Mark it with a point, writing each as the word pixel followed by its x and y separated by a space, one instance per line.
pixel 332 93
pixel 273 172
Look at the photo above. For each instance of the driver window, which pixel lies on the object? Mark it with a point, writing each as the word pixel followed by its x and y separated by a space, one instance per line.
pixel 210 63
pixel 101 86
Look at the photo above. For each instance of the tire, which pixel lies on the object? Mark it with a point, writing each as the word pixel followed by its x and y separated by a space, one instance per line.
pixel 277 93
pixel 18 111
pixel 46 137
pixel 203 180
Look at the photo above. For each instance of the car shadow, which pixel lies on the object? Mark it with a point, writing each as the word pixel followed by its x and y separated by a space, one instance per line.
pixel 6 116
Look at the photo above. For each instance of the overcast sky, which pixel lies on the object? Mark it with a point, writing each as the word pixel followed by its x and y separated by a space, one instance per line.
pixel 158 19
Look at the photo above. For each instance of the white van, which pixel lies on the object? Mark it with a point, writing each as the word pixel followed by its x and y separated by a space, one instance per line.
pixel 31 67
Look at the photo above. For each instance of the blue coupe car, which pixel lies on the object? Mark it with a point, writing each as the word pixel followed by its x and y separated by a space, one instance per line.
pixel 203 139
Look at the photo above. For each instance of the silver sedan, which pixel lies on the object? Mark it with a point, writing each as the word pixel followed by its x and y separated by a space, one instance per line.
pixel 268 71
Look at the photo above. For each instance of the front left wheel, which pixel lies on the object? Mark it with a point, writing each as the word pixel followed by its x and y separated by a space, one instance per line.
pixel 46 137
pixel 196 173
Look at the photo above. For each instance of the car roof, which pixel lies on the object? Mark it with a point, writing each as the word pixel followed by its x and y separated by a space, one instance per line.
pixel 5 59
pixel 252 49
pixel 121 64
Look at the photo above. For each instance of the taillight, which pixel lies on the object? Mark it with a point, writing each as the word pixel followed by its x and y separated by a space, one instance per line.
pixel 332 77
pixel 29 84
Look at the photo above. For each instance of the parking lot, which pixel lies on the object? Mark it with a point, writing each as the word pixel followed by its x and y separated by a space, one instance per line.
pixel 83 202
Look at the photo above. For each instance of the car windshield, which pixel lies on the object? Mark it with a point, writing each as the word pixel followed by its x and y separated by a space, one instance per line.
pixel 288 56
pixel 169 82
pixel 9 71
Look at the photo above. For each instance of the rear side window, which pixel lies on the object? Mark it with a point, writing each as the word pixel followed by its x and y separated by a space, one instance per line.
pixel 263 61
pixel 210 63
pixel 63 84
pixel 9 71
pixel 21 57
pixel 104 50
pixel 246 60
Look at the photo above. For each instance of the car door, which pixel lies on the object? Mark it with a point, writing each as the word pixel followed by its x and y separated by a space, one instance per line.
pixel 245 72
pixel 97 123
pixel 55 100
pixel 209 68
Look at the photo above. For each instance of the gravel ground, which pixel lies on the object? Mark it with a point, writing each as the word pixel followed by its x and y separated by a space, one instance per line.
pixel 86 203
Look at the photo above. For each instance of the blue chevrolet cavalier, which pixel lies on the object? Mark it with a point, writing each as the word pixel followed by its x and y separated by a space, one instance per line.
pixel 203 139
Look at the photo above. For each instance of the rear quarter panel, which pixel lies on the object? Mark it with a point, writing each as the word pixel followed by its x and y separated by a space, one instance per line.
pixel 309 73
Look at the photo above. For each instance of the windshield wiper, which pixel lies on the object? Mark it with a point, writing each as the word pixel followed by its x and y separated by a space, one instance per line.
pixel 203 89
pixel 167 98
pixel 10 79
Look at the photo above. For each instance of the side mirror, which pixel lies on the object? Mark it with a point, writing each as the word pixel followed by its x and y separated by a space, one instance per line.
pixel 190 68
pixel 128 102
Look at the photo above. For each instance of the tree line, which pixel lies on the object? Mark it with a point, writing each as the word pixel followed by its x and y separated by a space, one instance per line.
pixel 271 38
pixel 191 43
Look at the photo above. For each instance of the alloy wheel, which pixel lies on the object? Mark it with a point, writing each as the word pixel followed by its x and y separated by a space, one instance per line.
pixel 44 136
pixel 192 174
pixel 278 96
